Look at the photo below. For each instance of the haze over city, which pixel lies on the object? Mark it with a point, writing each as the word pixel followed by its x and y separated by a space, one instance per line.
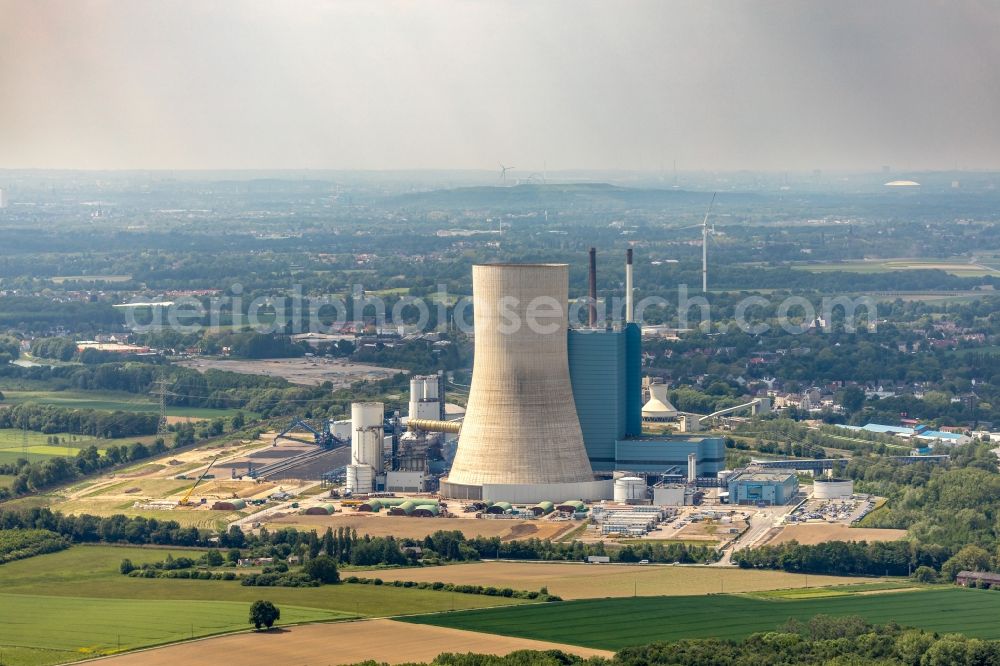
pixel 781 85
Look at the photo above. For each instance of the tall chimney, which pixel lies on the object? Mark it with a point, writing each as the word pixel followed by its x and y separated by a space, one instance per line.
pixel 593 287
pixel 629 305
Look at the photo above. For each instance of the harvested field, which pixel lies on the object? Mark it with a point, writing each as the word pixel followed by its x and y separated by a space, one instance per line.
pixel 342 643
pixel 811 534
pixel 418 528
pixel 571 580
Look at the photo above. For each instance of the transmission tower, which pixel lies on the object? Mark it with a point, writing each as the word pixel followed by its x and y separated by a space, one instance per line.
pixel 161 391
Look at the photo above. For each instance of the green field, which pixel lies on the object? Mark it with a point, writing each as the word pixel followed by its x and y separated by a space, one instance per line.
pixel 75 600
pixel 51 630
pixel 109 401
pixel 616 623
pixel 958 266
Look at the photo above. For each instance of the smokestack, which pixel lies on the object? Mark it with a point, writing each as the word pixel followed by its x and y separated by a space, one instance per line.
pixel 593 287
pixel 629 305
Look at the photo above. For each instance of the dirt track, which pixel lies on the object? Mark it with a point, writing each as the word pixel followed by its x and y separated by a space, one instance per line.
pixel 337 643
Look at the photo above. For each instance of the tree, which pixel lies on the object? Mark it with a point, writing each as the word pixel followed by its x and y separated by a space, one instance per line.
pixel 322 568
pixel 924 574
pixel 263 614
pixel 852 399
pixel 126 566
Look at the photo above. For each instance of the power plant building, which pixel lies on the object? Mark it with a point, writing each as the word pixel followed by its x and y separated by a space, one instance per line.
pixel 549 406
pixel 760 487
pixel 605 367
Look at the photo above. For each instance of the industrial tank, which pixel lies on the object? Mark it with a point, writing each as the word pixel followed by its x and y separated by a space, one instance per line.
pixel 366 440
pixel 630 490
pixel 833 488
pixel 521 425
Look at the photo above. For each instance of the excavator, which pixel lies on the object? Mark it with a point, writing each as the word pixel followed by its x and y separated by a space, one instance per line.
pixel 186 500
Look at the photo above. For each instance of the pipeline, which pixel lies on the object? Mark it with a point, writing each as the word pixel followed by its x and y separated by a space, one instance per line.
pixel 430 425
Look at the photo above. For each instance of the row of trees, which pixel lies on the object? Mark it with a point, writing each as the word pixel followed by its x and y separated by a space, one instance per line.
pixel 97 423
pixel 43 474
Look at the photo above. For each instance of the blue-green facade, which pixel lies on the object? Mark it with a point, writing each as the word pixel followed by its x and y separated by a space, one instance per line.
pixel 763 488
pixel 661 454
pixel 605 368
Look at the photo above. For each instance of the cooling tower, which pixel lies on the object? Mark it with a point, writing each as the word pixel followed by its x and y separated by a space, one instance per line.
pixel 521 438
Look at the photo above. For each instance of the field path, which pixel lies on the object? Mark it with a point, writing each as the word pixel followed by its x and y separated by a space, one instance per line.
pixel 338 643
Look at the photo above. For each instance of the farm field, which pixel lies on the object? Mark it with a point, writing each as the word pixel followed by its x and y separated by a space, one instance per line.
pixel 418 528
pixel 811 534
pixel 384 641
pixel 110 401
pixel 612 624
pixel 124 624
pixel 151 611
pixel 571 580
pixel 959 267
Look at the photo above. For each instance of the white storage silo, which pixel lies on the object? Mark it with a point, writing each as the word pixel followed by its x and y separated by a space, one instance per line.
pixel 630 489
pixel 833 489
pixel 367 420
pixel 360 478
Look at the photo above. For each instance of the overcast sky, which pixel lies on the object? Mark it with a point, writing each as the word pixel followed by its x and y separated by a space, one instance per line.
pixel 770 85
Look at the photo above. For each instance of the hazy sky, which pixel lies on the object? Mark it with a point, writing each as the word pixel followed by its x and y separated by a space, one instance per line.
pixel 795 84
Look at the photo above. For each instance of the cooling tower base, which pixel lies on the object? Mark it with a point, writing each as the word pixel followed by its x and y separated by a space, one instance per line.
pixel 529 493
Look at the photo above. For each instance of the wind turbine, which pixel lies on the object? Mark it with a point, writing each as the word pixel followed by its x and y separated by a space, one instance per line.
pixel 504 170
pixel 704 245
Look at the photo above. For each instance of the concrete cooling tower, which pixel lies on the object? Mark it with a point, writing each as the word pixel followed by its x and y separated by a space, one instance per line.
pixel 521 439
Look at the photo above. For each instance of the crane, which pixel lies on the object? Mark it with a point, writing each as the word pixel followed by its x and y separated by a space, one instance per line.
pixel 187 495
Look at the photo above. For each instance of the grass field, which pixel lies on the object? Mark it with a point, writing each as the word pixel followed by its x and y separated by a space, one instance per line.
pixel 81 592
pixel 58 629
pixel 109 401
pixel 571 580
pixel 616 623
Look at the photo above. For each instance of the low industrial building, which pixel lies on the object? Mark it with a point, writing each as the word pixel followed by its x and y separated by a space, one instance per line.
pixel 760 487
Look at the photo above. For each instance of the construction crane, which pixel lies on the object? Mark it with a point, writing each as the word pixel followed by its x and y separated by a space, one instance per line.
pixel 187 495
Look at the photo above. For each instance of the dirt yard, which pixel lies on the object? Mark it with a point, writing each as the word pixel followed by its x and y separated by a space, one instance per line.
pixel 580 581
pixel 813 533
pixel 339 643
pixel 304 371
pixel 418 528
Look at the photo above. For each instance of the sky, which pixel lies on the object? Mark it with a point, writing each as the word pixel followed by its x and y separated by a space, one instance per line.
pixel 561 84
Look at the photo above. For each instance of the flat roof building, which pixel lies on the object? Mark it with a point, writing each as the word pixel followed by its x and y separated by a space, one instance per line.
pixel 760 487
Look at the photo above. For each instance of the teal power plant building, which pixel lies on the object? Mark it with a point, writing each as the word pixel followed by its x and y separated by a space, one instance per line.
pixel 605 367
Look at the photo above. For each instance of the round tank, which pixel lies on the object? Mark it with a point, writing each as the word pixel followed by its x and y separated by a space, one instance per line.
pixel 630 489
pixel 360 478
pixel 521 425
pixel 833 488
pixel 366 438
pixel 431 387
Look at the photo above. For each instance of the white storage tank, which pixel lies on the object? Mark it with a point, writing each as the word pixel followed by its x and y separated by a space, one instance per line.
pixel 341 429
pixel 360 478
pixel 829 489
pixel 724 475
pixel 366 441
pixel 630 489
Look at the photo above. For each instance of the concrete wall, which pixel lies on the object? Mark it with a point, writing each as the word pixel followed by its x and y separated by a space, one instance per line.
pixel 521 425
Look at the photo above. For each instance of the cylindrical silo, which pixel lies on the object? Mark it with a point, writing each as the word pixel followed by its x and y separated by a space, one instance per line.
pixel 521 425
pixel 367 420
pixel 630 489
